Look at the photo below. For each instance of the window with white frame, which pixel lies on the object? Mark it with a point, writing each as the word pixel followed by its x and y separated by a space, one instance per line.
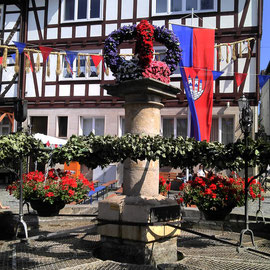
pixel 165 7
pixel 1 16
pixel 77 10
pixel 172 126
pixel 122 130
pixel 62 126
pixel 93 124
pixel 222 129
pixel 5 127
pixel 88 72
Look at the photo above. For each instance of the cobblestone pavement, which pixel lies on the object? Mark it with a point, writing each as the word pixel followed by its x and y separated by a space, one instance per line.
pixel 72 248
pixel 74 252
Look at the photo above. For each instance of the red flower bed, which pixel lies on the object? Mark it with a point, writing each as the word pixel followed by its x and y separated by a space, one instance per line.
pixel 216 191
pixel 58 186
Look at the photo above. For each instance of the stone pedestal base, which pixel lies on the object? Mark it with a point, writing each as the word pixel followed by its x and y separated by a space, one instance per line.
pixel 133 229
pixel 127 251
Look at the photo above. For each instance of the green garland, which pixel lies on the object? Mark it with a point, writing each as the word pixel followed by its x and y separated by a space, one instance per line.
pixel 177 152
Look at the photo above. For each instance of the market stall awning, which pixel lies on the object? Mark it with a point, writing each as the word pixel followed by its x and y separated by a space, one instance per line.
pixel 49 140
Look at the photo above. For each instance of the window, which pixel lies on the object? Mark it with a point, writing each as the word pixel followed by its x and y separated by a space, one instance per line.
pixel 86 72
pixel 174 127
pixel 5 126
pixel 94 125
pixel 222 130
pixel 75 10
pixel 122 130
pixel 161 7
pixel 227 130
pixel 1 16
pixel 62 126
pixel 39 124
pixel 214 130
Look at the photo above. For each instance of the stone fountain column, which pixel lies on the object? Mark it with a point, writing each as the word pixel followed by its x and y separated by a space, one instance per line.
pixel 131 225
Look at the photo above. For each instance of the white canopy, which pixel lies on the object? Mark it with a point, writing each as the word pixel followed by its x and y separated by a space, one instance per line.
pixel 49 140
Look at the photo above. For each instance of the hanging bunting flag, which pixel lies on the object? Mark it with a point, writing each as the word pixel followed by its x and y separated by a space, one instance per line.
pixel 28 62
pixel 1 60
pixel 71 57
pixel 239 78
pixel 216 74
pixel 69 67
pixel 20 46
pixel 13 56
pixel 45 51
pixel 96 59
pixel 197 46
pixel 263 79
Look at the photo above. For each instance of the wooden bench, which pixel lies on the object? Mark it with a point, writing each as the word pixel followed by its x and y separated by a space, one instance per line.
pixel 104 187
pixel 96 191
pixel 95 182
pixel 109 185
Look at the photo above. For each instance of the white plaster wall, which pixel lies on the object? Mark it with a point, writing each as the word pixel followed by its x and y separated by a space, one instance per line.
pixel 66 32
pixel 95 30
pixel 94 90
pixel 159 23
pixel 227 5
pixel 126 51
pixel 111 10
pixel 81 31
pixel 227 21
pixel 209 22
pixel 126 24
pixel 8 73
pixel 251 18
pixel 53 63
pixel 10 20
pixel 226 86
pixel 52 33
pixel 109 77
pixel 109 28
pixel 227 68
pixel 32 33
pixel 175 21
pixel 12 92
pixel 79 90
pixel 29 87
pixel 127 9
pixel 12 8
pixel 16 37
pixel 245 48
pixel 250 83
pixel 142 8
pixel 64 90
pixel 30 84
pixel 39 3
pixel 52 12
pixel 50 90
pixel 195 22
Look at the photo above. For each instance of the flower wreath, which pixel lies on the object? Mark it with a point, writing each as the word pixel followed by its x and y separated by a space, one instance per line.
pixel 142 65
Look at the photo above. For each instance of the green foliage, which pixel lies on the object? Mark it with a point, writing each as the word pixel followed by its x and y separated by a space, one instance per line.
pixel 17 146
pixel 177 152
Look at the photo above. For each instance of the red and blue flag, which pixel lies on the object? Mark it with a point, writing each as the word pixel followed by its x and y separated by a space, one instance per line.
pixel 196 68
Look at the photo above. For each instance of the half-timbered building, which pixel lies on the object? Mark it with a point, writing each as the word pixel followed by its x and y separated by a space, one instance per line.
pixel 66 104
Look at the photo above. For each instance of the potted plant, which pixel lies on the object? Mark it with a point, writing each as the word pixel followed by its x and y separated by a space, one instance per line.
pixel 49 194
pixel 164 186
pixel 217 195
